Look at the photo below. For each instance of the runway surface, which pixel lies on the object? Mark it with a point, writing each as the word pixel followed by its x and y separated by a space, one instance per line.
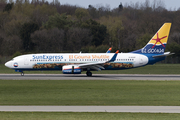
pixel 130 109
pixel 84 77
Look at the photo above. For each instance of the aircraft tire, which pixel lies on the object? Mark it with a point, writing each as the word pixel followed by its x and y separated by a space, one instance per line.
pixel 89 73
pixel 22 74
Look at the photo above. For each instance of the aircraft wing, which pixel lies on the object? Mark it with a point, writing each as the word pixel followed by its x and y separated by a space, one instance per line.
pixel 98 65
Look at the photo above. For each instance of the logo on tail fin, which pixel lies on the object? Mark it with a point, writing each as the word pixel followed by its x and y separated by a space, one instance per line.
pixel 158 40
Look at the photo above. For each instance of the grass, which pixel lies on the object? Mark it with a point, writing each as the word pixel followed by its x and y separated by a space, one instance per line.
pixel 149 93
pixel 86 116
pixel 149 69
pixel 79 92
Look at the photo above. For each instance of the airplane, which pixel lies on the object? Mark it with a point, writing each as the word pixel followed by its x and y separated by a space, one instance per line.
pixel 75 63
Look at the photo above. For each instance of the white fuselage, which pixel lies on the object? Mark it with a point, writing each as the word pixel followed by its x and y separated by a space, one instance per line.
pixel 48 61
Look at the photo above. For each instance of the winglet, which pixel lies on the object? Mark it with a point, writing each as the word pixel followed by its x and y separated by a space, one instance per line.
pixel 109 50
pixel 114 56
pixel 117 51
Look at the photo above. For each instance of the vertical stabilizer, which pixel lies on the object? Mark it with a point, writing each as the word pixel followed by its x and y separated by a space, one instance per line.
pixel 158 42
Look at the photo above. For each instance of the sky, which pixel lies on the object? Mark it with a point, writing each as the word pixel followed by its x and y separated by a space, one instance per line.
pixel 169 4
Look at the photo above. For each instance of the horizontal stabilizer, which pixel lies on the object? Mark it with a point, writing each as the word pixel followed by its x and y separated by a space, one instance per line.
pixel 163 55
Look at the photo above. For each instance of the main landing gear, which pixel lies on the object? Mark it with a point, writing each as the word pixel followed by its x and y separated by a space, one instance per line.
pixel 88 73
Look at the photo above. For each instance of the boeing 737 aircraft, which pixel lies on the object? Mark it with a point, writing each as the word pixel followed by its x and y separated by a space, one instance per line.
pixel 75 63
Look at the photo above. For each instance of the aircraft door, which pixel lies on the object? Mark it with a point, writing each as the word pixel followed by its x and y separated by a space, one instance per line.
pixel 26 62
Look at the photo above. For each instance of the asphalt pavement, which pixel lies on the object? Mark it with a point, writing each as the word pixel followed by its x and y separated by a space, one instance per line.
pixel 84 77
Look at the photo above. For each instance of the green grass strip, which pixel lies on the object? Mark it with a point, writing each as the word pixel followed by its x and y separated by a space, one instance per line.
pixel 79 92
pixel 86 116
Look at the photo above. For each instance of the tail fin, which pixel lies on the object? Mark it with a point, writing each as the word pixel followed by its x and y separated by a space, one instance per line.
pixel 158 42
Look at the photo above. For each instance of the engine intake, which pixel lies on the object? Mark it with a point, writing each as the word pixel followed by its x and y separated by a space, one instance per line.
pixel 71 69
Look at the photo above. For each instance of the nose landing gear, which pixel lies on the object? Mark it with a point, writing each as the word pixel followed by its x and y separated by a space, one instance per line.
pixel 22 74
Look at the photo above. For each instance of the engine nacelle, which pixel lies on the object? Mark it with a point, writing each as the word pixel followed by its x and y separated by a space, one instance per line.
pixel 71 69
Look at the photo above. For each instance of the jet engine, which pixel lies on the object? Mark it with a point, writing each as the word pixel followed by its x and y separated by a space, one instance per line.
pixel 71 69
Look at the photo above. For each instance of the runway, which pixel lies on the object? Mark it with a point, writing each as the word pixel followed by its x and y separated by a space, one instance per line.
pixel 129 109
pixel 84 77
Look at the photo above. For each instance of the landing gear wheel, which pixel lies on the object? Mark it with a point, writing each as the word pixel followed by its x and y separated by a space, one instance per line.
pixel 89 73
pixel 22 74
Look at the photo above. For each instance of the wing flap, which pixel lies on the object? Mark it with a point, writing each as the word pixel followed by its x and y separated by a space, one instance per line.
pixel 96 68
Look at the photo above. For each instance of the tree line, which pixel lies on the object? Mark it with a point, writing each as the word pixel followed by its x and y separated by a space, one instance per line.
pixel 40 26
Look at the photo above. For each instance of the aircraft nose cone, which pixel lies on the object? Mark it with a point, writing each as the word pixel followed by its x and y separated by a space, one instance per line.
pixel 8 64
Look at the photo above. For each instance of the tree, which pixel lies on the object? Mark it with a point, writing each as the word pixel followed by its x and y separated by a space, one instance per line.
pixel 174 48
pixel 4 18
pixel 14 44
pixel 120 7
pixel 55 2
pixel 41 13
pixel 8 7
pixel 143 40
pixel 78 38
pixel 3 1
pixel 1 44
pixel 25 33
pixel 98 31
pixel 175 37
pixel 57 20
pixel 68 9
pixel 114 29
pixel 93 11
pixel 81 13
pixel 51 40
pixel 9 45
pixel 13 26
